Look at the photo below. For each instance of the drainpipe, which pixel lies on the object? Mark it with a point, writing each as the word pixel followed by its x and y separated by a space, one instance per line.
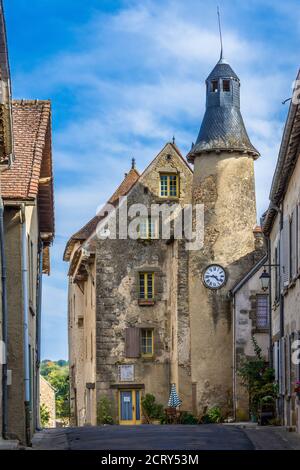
pixel 4 321
pixel 234 356
pixel 38 334
pixel 26 326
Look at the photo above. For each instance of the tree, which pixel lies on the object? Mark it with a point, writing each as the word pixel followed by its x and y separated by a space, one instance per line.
pixel 57 374
pixel 45 415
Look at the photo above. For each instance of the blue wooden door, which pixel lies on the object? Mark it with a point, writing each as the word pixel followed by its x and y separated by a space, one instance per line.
pixel 126 407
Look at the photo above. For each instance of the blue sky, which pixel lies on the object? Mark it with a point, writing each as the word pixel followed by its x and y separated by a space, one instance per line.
pixel 124 77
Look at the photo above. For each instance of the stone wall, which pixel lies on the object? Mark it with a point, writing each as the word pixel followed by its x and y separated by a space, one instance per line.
pixel 224 183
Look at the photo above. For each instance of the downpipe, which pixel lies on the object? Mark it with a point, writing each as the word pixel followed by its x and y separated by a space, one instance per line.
pixel 39 335
pixel 26 327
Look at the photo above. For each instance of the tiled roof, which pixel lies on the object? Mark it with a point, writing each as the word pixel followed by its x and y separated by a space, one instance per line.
pixel 31 120
pixel 88 229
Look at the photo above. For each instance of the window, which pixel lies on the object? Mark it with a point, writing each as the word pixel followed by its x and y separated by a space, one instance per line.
pixel 147 228
pixel 277 271
pixel 147 342
pixel 226 85
pixel 146 286
pixel 30 270
pixel 214 86
pixel 80 322
pixel 168 185
pixel 262 311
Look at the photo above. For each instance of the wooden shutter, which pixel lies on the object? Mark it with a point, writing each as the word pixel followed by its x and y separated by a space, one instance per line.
pixel 293 248
pixel 288 365
pixel 298 365
pixel 275 360
pixel 132 342
pixel 284 253
pixel 282 366
pixel 298 236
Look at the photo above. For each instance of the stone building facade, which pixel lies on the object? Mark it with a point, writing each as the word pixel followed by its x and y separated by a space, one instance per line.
pixel 251 318
pixel 27 192
pixel 282 228
pixel 6 156
pixel 125 343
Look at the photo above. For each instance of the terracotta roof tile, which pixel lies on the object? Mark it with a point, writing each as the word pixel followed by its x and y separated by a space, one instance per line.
pixel 31 120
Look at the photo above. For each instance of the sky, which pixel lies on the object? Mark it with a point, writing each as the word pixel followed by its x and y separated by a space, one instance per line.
pixel 124 76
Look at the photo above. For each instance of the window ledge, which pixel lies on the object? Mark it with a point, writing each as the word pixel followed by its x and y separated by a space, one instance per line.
pixel 146 241
pixel 145 303
pixel 148 358
pixel 261 330
pixel 167 199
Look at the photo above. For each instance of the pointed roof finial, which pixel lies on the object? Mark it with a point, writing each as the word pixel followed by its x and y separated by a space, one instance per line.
pixel 220 31
pixel 133 164
pixel 173 140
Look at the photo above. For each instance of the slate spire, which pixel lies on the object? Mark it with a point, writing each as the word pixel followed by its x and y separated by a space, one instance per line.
pixel 222 128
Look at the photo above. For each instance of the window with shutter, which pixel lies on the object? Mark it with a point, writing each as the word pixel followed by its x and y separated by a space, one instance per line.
pixel 292 245
pixel 147 342
pixel 298 366
pixel 132 342
pixel 282 366
pixel 288 365
pixel 277 271
pixel 275 360
pixel 284 253
pixel 298 236
pixel 262 311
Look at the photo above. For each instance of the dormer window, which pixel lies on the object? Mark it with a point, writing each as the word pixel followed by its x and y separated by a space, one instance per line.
pixel 214 86
pixel 226 85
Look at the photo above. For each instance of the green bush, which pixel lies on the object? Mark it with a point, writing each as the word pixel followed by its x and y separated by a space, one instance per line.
pixel 45 415
pixel 188 418
pixel 213 415
pixel 104 411
pixel 258 379
pixel 152 409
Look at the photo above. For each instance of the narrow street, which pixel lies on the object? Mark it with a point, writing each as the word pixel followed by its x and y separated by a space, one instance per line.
pixel 203 437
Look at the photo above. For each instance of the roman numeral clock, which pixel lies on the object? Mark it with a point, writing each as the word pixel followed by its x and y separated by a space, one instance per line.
pixel 214 276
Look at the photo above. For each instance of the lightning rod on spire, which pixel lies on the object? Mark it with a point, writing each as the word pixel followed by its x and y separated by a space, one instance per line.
pixel 220 32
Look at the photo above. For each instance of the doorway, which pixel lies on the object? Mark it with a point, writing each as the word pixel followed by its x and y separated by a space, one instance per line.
pixel 130 407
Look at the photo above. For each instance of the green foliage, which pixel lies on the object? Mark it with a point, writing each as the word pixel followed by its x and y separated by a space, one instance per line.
pixel 104 411
pixel 45 415
pixel 188 418
pixel 213 415
pixel 57 374
pixel 152 409
pixel 258 379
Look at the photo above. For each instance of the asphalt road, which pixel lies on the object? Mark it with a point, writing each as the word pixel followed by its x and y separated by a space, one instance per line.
pixel 148 437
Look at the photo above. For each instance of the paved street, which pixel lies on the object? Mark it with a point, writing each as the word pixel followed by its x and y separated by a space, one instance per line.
pixel 203 437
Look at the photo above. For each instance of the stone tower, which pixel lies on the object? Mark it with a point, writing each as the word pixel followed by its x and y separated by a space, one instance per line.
pixel 224 182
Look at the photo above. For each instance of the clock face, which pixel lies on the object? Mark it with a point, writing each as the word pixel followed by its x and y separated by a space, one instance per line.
pixel 214 276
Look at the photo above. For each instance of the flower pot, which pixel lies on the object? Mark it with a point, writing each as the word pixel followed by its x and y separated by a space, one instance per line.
pixel 155 421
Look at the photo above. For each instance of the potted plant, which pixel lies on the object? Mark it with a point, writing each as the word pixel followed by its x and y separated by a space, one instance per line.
pixel 153 412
